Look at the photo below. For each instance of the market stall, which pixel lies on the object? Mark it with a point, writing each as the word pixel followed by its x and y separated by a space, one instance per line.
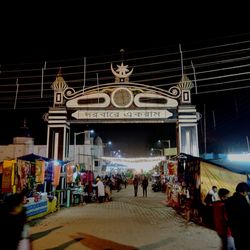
pixel 192 178
pixel 28 175
pixel 39 177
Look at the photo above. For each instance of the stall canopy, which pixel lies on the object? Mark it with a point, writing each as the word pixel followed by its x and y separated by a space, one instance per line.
pixel 215 175
pixel 32 157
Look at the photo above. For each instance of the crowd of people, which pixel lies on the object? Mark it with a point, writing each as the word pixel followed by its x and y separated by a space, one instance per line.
pixel 230 215
pixel 104 186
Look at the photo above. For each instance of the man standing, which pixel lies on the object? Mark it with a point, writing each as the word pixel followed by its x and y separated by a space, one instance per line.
pixel 211 197
pixel 100 190
pixel 135 183
pixel 144 186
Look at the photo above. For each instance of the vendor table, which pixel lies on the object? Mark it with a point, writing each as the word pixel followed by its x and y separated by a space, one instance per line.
pixel 78 196
pixel 40 208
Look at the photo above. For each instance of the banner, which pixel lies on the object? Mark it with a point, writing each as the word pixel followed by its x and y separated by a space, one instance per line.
pixel 56 177
pixel 69 173
pixel 172 167
pixel 40 170
pixel 6 180
pixel 23 170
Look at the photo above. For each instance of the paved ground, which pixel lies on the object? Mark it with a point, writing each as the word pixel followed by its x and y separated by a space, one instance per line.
pixel 125 223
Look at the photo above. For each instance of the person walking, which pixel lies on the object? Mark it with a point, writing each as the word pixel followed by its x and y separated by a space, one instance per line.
pixel 144 186
pixel 238 212
pixel 135 184
pixel 108 188
pixel 125 181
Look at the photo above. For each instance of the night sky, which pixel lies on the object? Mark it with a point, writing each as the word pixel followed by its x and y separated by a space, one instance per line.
pixel 34 34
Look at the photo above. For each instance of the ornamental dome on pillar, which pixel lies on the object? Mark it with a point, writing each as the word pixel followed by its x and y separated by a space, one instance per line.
pixel 185 83
pixel 185 86
pixel 98 140
pixel 59 84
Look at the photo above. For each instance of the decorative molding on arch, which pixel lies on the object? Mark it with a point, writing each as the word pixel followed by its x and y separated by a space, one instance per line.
pixel 121 94
pixel 122 73
pixel 104 96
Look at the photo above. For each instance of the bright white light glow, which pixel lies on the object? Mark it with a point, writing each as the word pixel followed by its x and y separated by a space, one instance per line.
pixel 239 157
pixel 142 163
pixel 56 163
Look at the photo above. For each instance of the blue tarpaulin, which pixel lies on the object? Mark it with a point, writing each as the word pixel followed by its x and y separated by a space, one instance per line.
pixel 240 167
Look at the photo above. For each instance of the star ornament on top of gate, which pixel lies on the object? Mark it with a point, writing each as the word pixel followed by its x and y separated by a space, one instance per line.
pixel 122 73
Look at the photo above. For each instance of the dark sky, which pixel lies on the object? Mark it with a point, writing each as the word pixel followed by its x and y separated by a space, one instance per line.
pixel 47 31
pixel 31 34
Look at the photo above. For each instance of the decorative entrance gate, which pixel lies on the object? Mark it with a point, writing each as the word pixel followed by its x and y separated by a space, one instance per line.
pixel 124 102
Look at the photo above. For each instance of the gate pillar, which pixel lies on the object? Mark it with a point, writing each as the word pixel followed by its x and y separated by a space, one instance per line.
pixel 58 133
pixel 186 126
pixel 187 132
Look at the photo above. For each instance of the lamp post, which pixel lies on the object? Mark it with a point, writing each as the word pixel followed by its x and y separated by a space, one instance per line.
pixel 79 133
pixel 169 144
pixel 168 141
pixel 157 149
